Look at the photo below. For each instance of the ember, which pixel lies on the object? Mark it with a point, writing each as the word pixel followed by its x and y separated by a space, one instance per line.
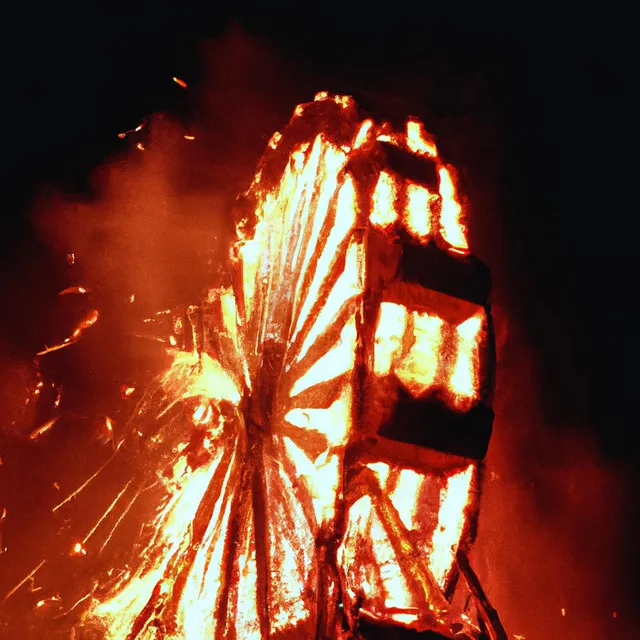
pixel 315 443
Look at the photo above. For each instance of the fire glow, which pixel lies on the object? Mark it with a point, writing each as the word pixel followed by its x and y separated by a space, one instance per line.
pixel 293 499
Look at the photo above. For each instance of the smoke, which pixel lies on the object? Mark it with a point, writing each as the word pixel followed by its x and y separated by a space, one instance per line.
pixel 552 547
pixel 151 228
pixel 156 221
pixel 149 232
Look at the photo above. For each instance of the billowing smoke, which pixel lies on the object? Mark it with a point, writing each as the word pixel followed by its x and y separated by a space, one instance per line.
pixel 157 220
pixel 553 548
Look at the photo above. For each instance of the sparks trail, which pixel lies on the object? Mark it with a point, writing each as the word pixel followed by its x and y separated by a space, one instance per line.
pixel 88 321
pixel 299 492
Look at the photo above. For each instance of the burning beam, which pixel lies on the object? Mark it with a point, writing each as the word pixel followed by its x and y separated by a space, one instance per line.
pixel 297 451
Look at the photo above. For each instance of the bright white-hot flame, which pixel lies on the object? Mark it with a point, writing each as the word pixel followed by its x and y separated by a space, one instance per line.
pixel 418 211
pixel 252 477
pixel 451 226
pixel 382 471
pixel 451 515
pixel 390 330
pixel 363 132
pixel 336 362
pixel 417 140
pixel 344 221
pixel 332 421
pixel 464 378
pixel 405 496
pixel 202 376
pixel 383 210
pixel 346 288
pixel 419 368
pixel 120 611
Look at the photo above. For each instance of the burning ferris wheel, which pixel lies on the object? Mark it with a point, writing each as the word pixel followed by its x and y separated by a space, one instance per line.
pixel 312 454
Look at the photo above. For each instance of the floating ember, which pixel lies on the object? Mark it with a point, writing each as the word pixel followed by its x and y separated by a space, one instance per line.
pixel 308 463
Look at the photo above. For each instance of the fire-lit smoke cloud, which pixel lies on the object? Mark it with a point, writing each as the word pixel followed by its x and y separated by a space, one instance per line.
pixel 149 233
pixel 157 218
pixel 553 546
pixel 156 226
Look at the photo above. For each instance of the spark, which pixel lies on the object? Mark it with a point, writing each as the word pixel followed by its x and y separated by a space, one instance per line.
pixel 24 580
pixel 126 391
pixel 89 320
pixel 119 520
pixel 80 601
pixel 47 426
pixel 86 483
pixel 77 289
pixel 180 82
pixel 67 342
pixel 41 603
pixel 107 512
pixel 124 134
pixel 188 137
pixel 108 425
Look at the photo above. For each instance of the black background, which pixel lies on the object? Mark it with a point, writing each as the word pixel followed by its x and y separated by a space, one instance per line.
pixel 546 88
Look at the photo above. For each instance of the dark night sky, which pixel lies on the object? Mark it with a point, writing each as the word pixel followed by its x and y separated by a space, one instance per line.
pixel 547 88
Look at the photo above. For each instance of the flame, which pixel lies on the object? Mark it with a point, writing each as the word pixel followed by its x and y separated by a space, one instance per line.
pixel 465 378
pixel 418 369
pixel 430 361
pixel 363 133
pixel 389 336
pixel 451 226
pixel 418 212
pixel 250 480
pixel 454 497
pixel 384 212
pixel 418 141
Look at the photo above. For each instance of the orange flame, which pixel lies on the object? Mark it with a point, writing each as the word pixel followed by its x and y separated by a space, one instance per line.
pixel 250 480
